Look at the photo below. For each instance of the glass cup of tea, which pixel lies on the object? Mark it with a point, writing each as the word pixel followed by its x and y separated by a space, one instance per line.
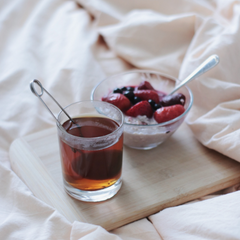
pixel 91 148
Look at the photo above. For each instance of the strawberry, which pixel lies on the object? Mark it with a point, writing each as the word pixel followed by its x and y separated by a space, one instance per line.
pixel 145 85
pixel 168 113
pixel 119 100
pixel 142 108
pixel 147 94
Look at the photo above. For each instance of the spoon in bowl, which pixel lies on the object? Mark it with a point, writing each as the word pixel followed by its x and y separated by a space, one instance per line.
pixel 209 63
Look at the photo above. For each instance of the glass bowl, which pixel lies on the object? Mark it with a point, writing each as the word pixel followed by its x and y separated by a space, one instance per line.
pixel 141 136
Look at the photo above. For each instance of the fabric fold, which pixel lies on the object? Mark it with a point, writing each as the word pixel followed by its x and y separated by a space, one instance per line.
pixel 150 40
pixel 176 42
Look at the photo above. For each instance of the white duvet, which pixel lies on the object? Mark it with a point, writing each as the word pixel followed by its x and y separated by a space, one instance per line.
pixel 72 45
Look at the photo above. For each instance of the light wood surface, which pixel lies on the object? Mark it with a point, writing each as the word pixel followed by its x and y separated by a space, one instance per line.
pixel 177 171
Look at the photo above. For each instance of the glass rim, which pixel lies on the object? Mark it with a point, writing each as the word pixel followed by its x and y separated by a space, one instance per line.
pixel 151 72
pixel 90 138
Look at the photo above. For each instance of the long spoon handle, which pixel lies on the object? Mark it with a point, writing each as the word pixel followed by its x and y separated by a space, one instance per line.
pixel 209 63
pixel 39 95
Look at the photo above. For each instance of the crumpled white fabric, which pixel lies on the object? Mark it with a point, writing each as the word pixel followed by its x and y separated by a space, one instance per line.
pixel 175 40
pixel 201 220
pixel 58 43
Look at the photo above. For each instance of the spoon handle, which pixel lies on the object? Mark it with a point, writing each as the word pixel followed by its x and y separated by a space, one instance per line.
pixel 209 63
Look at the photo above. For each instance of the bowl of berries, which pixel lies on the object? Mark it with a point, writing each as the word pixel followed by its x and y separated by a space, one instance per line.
pixel 152 115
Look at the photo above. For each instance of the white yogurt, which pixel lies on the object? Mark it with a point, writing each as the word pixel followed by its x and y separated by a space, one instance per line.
pixel 142 135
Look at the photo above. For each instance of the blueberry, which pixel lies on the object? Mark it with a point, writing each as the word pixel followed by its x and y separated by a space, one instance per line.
pixel 152 103
pixel 117 90
pixel 129 95
pixel 156 106
pixel 136 100
pixel 123 88
pixel 130 89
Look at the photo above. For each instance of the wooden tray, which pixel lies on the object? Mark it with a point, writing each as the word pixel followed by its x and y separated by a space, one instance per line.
pixel 177 171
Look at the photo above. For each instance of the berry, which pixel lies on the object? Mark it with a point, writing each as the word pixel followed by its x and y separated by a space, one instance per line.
pixel 145 85
pixel 156 106
pixel 129 94
pixel 130 88
pixel 147 94
pixel 168 113
pixel 117 90
pixel 152 103
pixel 169 100
pixel 123 88
pixel 142 108
pixel 119 100
pixel 136 100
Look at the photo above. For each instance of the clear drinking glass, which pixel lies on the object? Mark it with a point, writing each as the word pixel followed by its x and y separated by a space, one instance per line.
pixel 91 150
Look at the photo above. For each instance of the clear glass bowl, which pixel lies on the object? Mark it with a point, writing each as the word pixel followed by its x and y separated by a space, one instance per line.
pixel 145 136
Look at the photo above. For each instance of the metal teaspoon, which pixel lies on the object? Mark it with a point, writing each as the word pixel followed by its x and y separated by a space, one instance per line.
pixel 209 63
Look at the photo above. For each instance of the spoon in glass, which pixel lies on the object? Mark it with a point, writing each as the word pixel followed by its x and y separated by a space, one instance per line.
pixel 209 63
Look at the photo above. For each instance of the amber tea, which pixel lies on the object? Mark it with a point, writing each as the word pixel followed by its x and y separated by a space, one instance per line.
pixel 86 169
